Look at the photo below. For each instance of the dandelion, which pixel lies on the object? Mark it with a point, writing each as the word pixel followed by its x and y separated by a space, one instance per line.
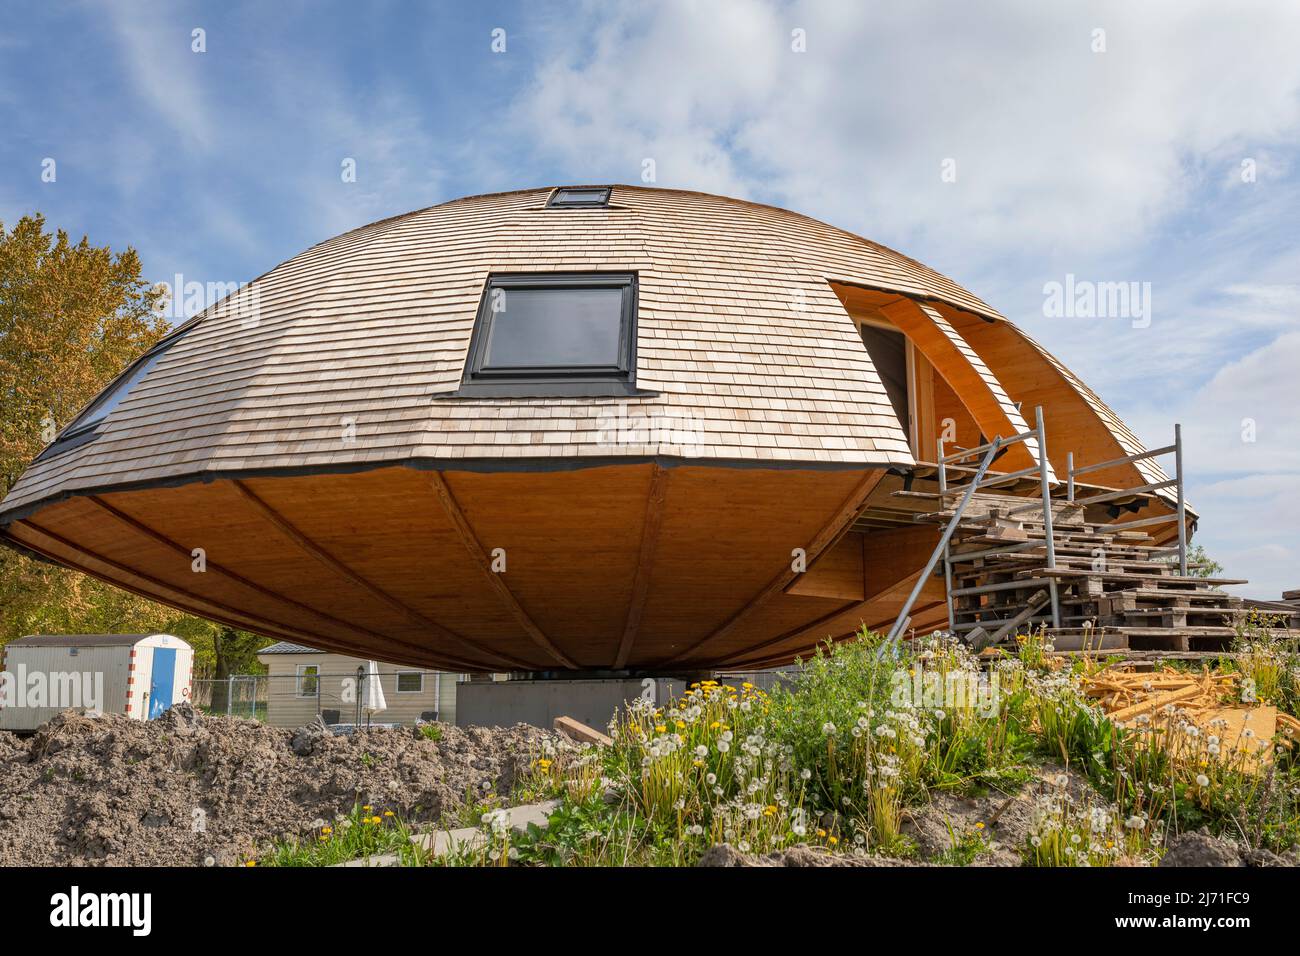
pixel 1202 780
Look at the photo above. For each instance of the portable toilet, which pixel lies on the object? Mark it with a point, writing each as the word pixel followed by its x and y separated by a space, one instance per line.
pixel 140 675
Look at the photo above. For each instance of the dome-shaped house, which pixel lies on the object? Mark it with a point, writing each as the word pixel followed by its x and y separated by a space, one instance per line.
pixel 582 428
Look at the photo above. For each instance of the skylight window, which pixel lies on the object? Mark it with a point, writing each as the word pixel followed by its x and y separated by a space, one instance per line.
pixel 584 197
pixel 85 426
pixel 570 333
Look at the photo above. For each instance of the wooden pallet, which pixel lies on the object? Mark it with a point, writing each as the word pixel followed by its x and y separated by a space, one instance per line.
pixel 1134 601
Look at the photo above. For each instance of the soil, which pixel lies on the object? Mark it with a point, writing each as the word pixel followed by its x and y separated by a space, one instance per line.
pixel 187 789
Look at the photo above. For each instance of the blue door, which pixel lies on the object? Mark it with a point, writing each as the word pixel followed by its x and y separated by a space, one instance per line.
pixel 160 686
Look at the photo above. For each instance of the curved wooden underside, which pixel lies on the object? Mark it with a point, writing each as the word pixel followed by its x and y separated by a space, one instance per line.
pixel 638 566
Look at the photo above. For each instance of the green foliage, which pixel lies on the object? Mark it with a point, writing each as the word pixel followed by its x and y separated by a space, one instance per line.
pixel 363 833
pixel 72 316
pixel 860 736
pixel 585 833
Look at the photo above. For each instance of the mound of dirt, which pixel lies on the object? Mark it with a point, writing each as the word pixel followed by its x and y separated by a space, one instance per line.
pixel 187 789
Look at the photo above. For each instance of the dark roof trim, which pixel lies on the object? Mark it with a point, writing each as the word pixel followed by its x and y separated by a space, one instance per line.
pixel 81 640
pixel 477 465
pixel 288 647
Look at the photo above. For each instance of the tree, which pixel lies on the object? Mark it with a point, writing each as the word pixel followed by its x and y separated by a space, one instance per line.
pixel 72 316
pixel 1201 564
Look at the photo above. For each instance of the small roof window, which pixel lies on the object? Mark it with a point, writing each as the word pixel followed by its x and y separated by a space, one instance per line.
pixel 579 197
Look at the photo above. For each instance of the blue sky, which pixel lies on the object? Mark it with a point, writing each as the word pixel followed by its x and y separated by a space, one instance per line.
pixel 1103 141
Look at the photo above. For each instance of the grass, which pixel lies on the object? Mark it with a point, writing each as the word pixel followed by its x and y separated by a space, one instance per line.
pixel 864 734
pixel 361 834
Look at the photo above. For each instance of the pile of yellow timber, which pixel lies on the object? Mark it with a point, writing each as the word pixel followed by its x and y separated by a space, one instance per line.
pixel 1210 701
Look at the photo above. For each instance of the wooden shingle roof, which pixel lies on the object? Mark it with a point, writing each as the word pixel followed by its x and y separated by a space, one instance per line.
pixel 749 350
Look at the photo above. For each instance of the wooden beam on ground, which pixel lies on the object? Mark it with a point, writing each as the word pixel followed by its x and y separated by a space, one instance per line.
pixel 310 548
pixel 581 732
pixel 494 580
pixel 654 511
pixel 831 532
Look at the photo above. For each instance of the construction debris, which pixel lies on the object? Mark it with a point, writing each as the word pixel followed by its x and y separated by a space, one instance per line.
pixel 581 733
pixel 1211 701
pixel 1114 592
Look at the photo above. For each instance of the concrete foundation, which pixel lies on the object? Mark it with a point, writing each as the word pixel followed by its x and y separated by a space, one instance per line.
pixel 592 701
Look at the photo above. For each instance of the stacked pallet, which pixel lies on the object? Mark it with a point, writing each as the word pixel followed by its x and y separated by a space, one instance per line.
pixel 1116 589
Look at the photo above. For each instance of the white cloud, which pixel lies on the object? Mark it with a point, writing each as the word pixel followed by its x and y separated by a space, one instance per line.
pixel 1115 166
pixel 1054 144
pixel 155 51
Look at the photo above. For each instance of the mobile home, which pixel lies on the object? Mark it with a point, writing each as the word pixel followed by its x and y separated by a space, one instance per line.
pixel 140 675
pixel 303 682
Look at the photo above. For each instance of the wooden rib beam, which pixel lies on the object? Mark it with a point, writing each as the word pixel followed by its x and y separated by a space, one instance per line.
pixel 435 662
pixel 840 638
pixel 654 511
pixel 191 603
pixel 962 368
pixel 214 568
pixel 480 557
pixel 831 532
pixel 802 630
pixel 891 560
pixel 310 548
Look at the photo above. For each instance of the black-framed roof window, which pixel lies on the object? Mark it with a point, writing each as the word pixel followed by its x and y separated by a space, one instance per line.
pixel 86 425
pixel 579 197
pixel 568 333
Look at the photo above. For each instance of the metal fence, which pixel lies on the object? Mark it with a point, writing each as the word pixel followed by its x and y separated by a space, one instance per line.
pixel 241 695
pixel 337 697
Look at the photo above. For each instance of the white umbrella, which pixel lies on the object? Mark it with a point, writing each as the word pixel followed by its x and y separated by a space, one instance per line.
pixel 372 701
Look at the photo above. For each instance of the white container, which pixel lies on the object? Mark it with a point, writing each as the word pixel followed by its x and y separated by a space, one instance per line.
pixel 140 675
